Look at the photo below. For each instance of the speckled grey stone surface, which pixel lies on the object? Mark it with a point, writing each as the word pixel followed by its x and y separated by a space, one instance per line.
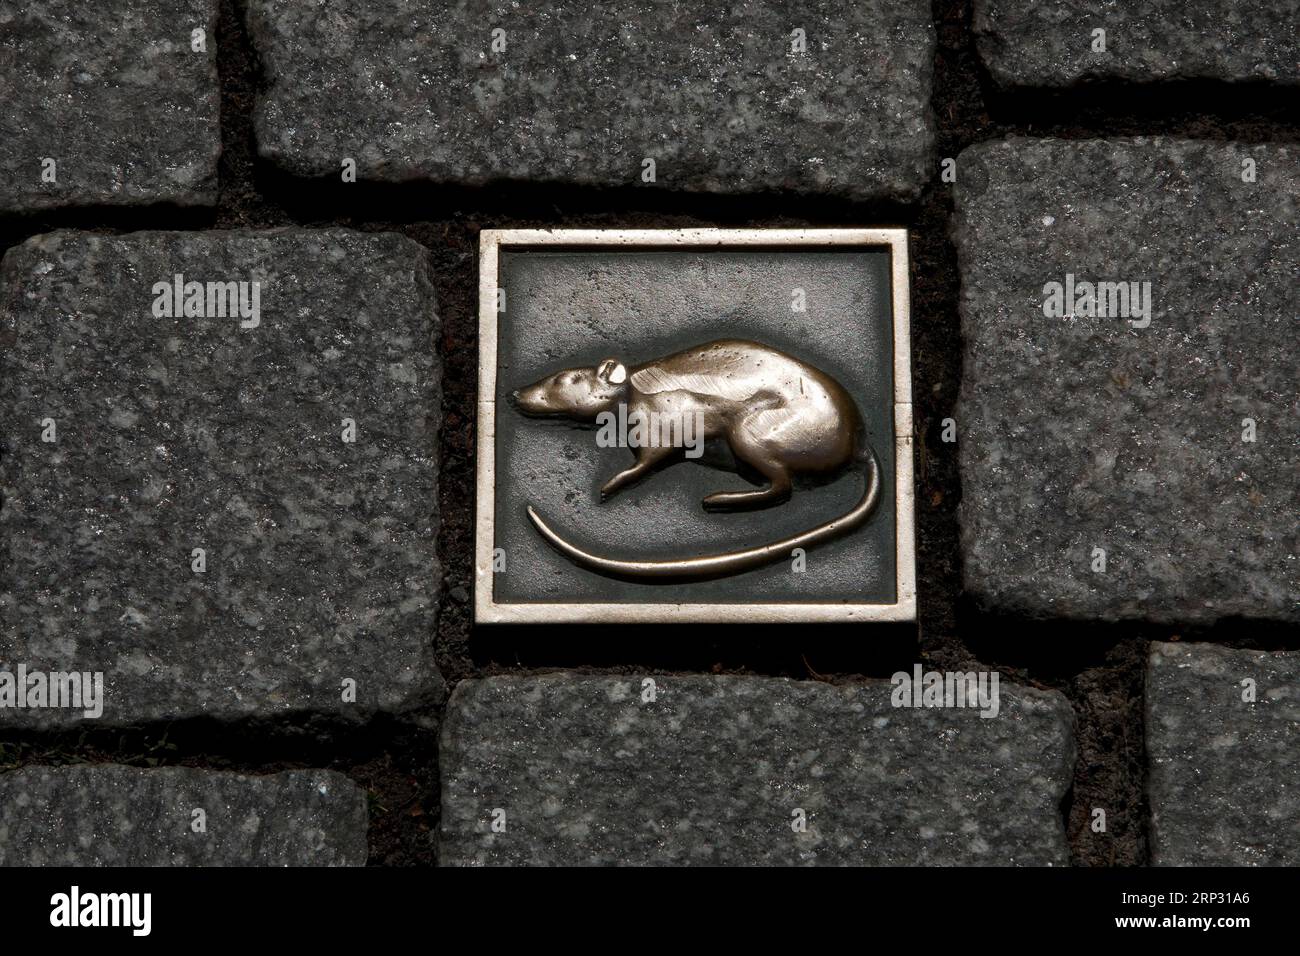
pixel 713 769
pixel 114 93
pixel 183 433
pixel 582 93
pixel 1224 781
pixel 125 816
pixel 1045 44
pixel 1085 432
pixel 579 307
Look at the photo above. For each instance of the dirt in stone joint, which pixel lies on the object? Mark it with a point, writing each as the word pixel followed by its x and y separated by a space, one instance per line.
pixel 1098 667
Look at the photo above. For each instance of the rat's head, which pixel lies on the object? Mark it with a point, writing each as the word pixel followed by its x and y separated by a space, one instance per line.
pixel 580 393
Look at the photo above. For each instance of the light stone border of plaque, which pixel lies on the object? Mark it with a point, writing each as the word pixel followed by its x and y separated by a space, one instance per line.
pixel 488 611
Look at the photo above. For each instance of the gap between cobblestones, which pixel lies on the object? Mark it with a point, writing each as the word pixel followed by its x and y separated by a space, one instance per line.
pixel 1099 667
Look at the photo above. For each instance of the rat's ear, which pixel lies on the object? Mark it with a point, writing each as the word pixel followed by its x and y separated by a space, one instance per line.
pixel 612 372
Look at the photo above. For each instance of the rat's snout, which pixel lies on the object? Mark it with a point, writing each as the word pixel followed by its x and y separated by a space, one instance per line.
pixel 531 400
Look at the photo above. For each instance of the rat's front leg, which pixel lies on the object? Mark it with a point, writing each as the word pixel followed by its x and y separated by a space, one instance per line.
pixel 647 459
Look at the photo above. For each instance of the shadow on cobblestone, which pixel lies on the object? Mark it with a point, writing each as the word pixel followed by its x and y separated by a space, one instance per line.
pixel 1242 112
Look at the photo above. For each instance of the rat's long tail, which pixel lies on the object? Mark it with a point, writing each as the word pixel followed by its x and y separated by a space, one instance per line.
pixel 720 565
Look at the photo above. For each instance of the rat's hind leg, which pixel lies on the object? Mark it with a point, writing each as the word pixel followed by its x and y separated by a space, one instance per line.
pixel 647 458
pixel 759 456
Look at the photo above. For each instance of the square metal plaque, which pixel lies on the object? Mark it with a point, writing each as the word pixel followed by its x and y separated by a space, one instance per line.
pixel 694 425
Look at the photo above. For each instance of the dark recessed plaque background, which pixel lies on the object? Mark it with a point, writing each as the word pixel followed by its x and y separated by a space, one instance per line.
pixel 568 308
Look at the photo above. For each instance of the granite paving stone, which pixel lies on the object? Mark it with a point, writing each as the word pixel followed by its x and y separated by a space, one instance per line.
pixel 116 95
pixel 1029 43
pixel 183 511
pixel 818 97
pixel 110 815
pixel 1129 451
pixel 565 769
pixel 1223 732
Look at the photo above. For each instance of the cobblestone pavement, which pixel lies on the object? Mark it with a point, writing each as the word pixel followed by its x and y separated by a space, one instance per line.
pixel 237 377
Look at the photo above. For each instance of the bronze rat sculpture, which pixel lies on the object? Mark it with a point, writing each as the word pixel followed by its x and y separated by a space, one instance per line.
pixel 779 415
